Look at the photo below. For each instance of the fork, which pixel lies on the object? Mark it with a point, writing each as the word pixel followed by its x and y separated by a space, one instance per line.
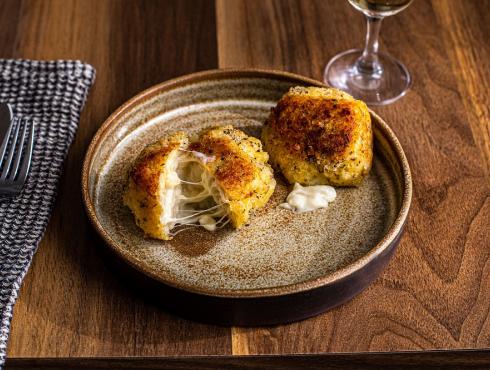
pixel 15 151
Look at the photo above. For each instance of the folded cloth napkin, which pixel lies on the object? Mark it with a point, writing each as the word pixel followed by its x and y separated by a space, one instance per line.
pixel 52 93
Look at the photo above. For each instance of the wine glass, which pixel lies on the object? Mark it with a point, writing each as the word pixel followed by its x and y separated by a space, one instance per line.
pixel 369 75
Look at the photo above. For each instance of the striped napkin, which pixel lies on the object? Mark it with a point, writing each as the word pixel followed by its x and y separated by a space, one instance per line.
pixel 52 93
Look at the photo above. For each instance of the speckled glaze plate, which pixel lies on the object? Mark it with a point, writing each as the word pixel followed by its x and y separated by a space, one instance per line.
pixel 283 266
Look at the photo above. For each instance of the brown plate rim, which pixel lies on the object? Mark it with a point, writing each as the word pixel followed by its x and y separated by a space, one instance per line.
pixel 215 74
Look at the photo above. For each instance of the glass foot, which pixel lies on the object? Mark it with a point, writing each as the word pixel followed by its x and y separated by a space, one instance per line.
pixel 382 87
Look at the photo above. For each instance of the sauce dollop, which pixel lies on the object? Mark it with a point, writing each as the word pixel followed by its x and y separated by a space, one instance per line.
pixel 308 198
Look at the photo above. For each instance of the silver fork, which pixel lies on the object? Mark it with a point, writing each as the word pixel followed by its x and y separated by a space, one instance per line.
pixel 17 140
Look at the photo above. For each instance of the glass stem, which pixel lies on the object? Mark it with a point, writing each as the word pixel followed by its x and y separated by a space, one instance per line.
pixel 368 62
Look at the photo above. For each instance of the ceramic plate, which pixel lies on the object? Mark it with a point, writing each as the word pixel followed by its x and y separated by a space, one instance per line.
pixel 329 254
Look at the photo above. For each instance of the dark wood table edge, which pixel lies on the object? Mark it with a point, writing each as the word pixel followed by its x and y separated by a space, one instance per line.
pixel 436 359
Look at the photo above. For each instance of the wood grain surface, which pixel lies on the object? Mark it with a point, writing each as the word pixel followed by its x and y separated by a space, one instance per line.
pixel 435 294
pixel 71 304
pixel 431 360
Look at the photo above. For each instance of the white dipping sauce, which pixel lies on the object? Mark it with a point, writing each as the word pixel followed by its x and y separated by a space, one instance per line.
pixel 309 198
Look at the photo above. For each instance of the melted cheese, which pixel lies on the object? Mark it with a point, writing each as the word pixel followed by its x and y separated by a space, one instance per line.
pixel 190 197
pixel 309 198
pixel 208 222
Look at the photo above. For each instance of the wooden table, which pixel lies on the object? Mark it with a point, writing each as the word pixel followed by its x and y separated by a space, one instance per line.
pixel 435 294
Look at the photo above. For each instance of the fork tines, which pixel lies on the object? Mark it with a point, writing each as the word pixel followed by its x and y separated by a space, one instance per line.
pixel 15 155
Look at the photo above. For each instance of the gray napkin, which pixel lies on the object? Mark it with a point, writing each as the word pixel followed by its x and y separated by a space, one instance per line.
pixel 52 93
